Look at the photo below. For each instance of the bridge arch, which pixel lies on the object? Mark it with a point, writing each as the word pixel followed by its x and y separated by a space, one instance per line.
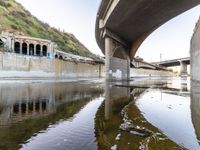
pixel 60 57
pixel 31 49
pixel 1 43
pixel 38 49
pixel 17 47
pixel 24 48
pixel 44 50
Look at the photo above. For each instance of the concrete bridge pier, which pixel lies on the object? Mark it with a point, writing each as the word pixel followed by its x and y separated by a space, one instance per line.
pixel 117 62
pixel 183 68
pixel 195 53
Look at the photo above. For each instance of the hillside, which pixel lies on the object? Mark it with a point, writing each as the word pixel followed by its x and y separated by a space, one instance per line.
pixel 14 18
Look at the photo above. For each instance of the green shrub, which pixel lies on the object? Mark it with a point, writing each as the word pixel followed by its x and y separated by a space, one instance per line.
pixel 4 4
pixel 13 26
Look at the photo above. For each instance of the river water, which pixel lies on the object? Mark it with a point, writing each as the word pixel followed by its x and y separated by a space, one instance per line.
pixel 146 113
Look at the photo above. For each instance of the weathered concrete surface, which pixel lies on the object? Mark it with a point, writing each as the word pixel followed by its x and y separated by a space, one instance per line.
pixel 117 61
pixel 142 64
pixel 18 66
pixel 183 68
pixel 134 72
pixel 13 65
pixel 195 53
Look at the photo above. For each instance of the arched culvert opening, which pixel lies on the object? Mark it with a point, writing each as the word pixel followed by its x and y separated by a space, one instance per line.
pixel 24 49
pixel 44 50
pixel 17 47
pixel 38 48
pixel 60 57
pixel 1 43
pixel 31 49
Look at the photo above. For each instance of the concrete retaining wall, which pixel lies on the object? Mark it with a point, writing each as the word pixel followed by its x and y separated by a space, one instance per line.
pixel 195 53
pixel 147 72
pixel 14 65
pixel 18 66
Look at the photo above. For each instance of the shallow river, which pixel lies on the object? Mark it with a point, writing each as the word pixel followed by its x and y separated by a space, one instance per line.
pixel 146 113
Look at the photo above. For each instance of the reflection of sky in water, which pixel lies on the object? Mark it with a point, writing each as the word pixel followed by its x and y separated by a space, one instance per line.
pixel 74 133
pixel 165 109
pixel 171 114
pixel 179 83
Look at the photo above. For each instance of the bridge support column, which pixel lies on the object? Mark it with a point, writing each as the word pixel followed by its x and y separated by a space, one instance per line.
pixel 195 53
pixel 183 68
pixel 117 61
pixel 108 52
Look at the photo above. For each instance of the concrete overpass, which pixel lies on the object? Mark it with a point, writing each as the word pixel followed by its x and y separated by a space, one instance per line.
pixel 139 63
pixel 183 62
pixel 122 26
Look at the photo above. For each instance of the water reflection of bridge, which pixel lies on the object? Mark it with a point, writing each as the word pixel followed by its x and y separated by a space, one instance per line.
pixel 24 101
pixel 117 99
pixel 195 107
pixel 108 117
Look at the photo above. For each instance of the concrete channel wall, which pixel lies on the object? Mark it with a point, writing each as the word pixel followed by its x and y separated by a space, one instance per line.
pixel 14 65
pixel 19 66
pixel 195 53
pixel 134 72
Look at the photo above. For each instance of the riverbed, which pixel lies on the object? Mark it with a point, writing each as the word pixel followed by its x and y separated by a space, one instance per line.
pixel 145 113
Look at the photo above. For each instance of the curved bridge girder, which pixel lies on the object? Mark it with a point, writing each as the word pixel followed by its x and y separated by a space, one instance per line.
pixel 133 21
pixel 129 23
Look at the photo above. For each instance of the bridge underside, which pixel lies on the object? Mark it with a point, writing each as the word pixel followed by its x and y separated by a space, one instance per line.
pixel 131 22
pixel 174 63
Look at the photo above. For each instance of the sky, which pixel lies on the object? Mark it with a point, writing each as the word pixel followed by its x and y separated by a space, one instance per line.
pixel 171 40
